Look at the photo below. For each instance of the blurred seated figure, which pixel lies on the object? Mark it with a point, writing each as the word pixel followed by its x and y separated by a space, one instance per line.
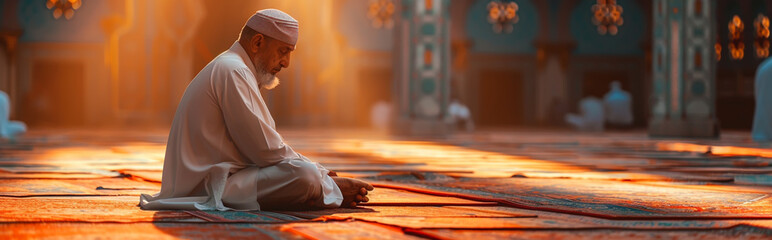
pixel 618 105
pixel 591 118
pixel 762 117
pixel 9 129
pixel 380 115
pixel 457 113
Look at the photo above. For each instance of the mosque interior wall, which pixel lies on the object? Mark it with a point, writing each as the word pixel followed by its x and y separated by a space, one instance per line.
pixel 342 65
pixel 735 78
pixel 62 84
pixel 4 69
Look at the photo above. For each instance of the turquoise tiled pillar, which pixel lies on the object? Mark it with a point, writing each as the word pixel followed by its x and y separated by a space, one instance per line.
pixel 421 60
pixel 684 69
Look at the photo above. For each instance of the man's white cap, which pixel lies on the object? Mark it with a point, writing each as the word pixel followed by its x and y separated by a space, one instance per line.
pixel 275 24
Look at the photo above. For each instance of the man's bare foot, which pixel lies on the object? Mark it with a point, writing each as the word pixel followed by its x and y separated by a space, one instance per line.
pixel 354 191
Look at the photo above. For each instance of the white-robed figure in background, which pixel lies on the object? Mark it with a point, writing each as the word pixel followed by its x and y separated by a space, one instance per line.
pixel 762 116
pixel 380 115
pixel 591 118
pixel 618 106
pixel 458 113
pixel 224 152
pixel 9 129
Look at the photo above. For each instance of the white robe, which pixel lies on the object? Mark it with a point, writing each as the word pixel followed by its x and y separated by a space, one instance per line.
pixel 592 116
pixel 459 112
pixel 618 107
pixel 380 115
pixel 762 117
pixel 224 152
pixel 9 129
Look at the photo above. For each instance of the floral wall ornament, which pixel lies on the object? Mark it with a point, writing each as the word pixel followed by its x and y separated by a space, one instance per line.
pixel 502 15
pixel 761 43
pixel 607 16
pixel 736 45
pixel 381 13
pixel 63 7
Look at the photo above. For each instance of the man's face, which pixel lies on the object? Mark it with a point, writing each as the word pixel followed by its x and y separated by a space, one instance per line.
pixel 273 56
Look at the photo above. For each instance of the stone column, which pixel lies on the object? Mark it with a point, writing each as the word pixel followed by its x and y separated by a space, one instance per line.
pixel 10 32
pixel 552 83
pixel 10 40
pixel 421 67
pixel 684 69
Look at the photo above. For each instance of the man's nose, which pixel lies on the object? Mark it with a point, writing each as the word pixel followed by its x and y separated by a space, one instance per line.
pixel 285 61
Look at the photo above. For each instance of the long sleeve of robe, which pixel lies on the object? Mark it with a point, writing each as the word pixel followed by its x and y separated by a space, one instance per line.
pixel 222 125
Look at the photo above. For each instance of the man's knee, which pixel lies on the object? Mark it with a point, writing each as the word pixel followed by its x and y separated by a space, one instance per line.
pixel 306 174
pixel 300 186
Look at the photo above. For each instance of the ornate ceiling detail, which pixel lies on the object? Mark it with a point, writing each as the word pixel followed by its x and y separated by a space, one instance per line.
pixel 736 44
pixel 64 8
pixel 502 15
pixel 607 16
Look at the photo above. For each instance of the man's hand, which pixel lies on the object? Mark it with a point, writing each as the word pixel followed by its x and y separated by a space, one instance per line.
pixel 354 191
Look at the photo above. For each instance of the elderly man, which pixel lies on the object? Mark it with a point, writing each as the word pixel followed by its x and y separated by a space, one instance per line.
pixel 224 152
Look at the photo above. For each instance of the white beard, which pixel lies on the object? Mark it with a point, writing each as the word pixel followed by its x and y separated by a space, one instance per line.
pixel 268 81
pixel 265 79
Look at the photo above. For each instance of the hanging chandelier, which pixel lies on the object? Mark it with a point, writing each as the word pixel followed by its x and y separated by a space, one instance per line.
pixel 736 45
pixel 380 13
pixel 607 15
pixel 761 43
pixel 502 15
pixel 64 8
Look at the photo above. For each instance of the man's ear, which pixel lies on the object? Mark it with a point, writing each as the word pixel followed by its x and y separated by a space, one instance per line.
pixel 256 42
